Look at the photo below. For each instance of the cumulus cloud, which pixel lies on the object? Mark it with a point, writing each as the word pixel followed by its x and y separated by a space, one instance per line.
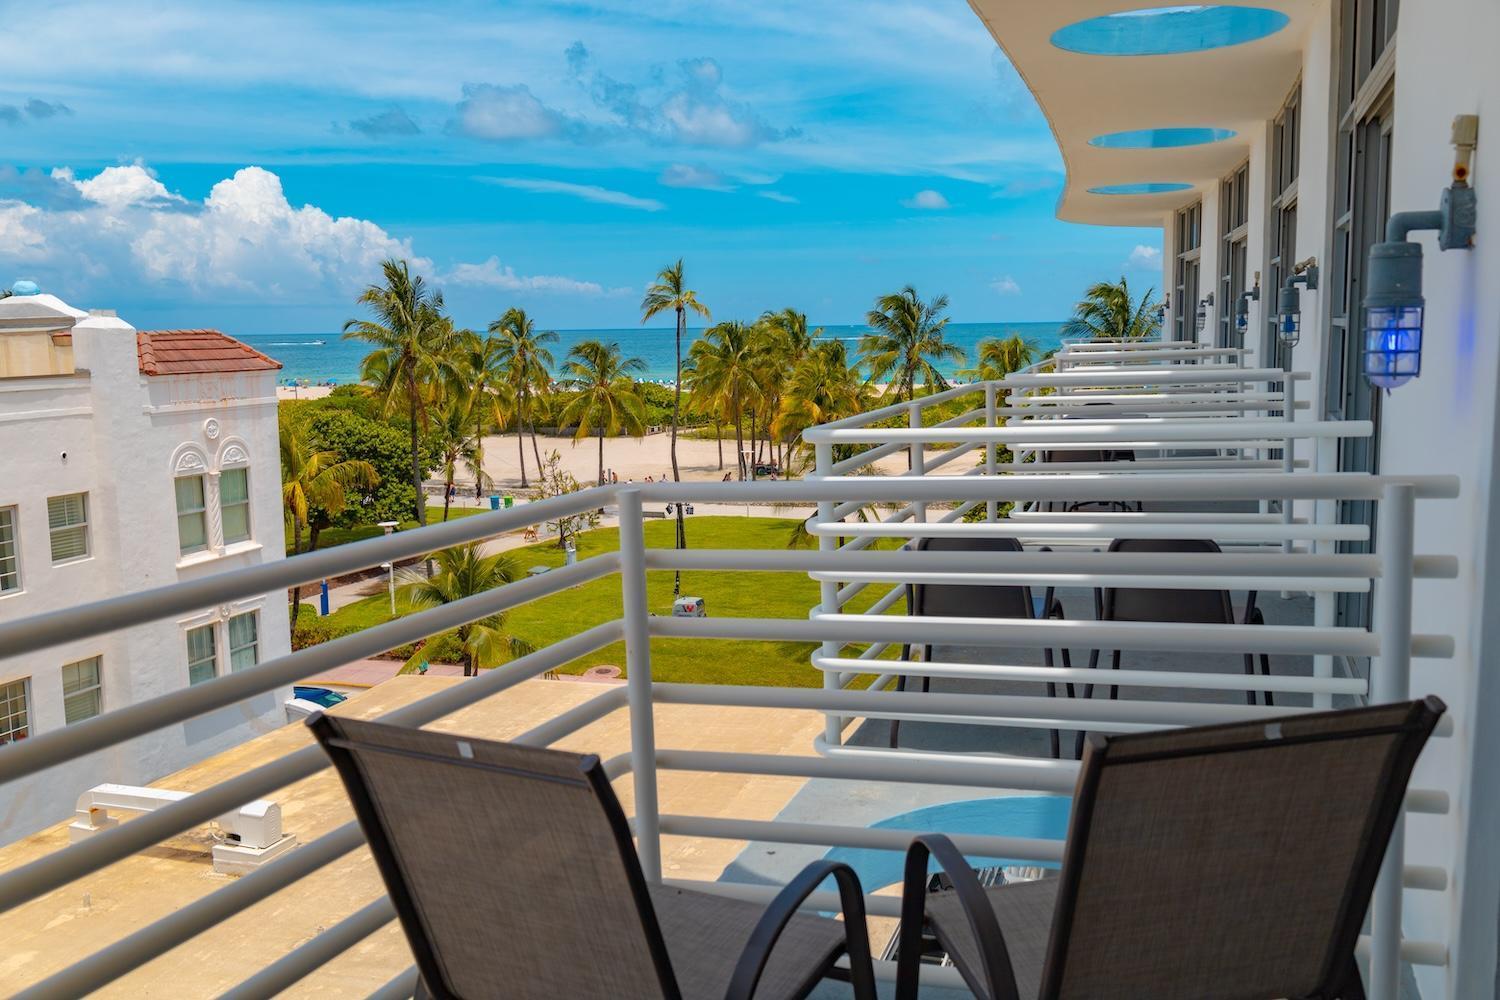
pixel 928 199
pixel 38 108
pixel 125 229
pixel 681 175
pixel 392 121
pixel 785 199
pixel 588 192
pixel 491 273
pixel 1144 257
pixel 10 114
pixel 497 113
pixel 693 110
pixel 1006 285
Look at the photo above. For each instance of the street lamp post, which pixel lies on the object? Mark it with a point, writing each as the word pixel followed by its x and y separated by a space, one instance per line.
pixel 390 567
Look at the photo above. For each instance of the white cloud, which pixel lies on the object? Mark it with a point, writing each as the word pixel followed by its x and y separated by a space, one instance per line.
pixel 588 192
pixel 682 175
pixel 493 274
pixel 128 230
pixel 1144 257
pixel 1006 285
pixel 498 113
pixel 785 199
pixel 928 199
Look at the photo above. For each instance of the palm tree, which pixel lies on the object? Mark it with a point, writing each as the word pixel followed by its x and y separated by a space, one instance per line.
pixel 723 372
pixel 524 357
pixel 458 441
pixel 823 386
pixel 906 342
pixel 1107 312
pixel 487 385
pixel 997 357
pixel 412 352
pixel 669 293
pixel 464 571
pixel 314 480
pixel 608 401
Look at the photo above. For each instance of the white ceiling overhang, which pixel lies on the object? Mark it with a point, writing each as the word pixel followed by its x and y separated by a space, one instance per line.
pixel 1233 87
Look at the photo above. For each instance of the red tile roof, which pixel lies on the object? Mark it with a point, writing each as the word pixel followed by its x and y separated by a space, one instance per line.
pixel 192 352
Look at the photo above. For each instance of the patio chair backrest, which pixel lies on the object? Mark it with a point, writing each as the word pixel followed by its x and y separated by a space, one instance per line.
pixel 1232 861
pixel 1142 604
pixel 954 600
pixel 510 867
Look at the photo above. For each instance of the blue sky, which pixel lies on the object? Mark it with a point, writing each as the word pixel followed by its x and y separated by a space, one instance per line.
pixel 247 165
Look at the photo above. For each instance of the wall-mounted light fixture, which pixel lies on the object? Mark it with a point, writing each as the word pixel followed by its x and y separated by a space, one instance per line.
pixel 1242 306
pixel 1289 303
pixel 1204 304
pixel 1161 310
pixel 1393 286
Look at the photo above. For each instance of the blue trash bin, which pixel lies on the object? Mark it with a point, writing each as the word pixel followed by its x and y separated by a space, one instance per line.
pixel 494 501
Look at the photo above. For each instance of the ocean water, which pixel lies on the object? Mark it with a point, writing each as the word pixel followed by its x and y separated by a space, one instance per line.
pixel 327 357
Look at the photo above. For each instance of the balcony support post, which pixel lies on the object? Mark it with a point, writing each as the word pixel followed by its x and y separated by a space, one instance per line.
pixel 828 593
pixel 638 682
pixel 991 450
pixel 1390 681
pixel 918 455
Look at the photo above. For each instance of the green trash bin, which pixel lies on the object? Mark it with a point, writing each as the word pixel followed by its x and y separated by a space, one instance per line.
pixel 510 502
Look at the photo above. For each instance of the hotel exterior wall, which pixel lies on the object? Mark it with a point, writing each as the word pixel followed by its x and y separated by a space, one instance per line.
pixel 120 430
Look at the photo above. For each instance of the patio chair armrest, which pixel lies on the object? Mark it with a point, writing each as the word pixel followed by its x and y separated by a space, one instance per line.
pixel 768 930
pixel 993 953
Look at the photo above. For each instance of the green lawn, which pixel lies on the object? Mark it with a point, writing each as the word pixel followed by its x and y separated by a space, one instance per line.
pixel 727 594
pixel 341 536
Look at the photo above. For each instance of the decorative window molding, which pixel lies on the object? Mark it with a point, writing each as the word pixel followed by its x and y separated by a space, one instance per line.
pixel 234 453
pixel 189 460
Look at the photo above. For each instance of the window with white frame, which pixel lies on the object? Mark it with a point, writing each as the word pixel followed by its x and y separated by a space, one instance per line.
pixel 68 524
pixel 1234 229
pixel 10 555
pixel 244 641
pixel 234 502
pixel 83 690
pixel 15 716
pixel 1189 225
pixel 192 514
pixel 203 655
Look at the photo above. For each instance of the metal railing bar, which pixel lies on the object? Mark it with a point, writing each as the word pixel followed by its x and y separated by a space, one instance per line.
pixel 1278 683
pixel 901 409
pixel 1145 432
pixel 1028 774
pixel 1325 584
pixel 835 835
pixel 61 867
pixel 943 458
pixel 114 960
pixel 1160 636
pixel 865 458
pixel 1233 531
pixel 403 986
pixel 879 489
pixel 1162 376
pixel 47 749
pixel 306 959
pixel 68 624
pixel 996 709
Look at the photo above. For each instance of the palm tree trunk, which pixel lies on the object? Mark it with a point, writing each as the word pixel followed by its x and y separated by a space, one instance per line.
pixel 416 455
pixel 739 436
pixel 536 451
pixel 601 455
pixel 676 474
pixel 478 453
pixel 719 437
pixel 521 451
pixel 447 490
pixel 297 589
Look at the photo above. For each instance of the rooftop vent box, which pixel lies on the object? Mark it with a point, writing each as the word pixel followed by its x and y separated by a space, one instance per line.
pixel 689 607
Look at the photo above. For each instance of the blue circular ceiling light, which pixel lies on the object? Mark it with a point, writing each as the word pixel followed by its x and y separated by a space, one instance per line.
pixel 1151 187
pixel 1161 138
pixel 1164 31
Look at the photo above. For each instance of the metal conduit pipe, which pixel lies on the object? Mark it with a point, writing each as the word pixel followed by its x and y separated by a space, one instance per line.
pixel 832 835
pixel 1145 430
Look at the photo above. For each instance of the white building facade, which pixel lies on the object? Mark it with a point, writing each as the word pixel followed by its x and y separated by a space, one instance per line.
pixel 128 461
pixel 1263 138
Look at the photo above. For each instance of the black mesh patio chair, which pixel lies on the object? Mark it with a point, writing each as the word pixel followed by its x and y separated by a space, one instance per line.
pixel 952 600
pixel 513 874
pixel 1230 862
pixel 1088 455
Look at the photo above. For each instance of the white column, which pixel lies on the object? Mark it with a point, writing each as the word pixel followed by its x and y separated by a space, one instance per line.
pixel 639 688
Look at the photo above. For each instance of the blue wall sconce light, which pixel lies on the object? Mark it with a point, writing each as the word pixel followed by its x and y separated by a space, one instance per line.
pixel 1289 302
pixel 1161 310
pixel 1242 307
pixel 1204 305
pixel 1393 286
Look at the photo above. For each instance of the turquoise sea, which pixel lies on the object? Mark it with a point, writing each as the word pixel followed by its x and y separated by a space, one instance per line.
pixel 327 357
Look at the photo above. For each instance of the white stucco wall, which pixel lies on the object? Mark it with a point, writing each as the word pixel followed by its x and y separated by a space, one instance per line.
pixel 120 431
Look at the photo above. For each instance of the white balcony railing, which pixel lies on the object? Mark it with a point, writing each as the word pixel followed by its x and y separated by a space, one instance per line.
pixel 1278 555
